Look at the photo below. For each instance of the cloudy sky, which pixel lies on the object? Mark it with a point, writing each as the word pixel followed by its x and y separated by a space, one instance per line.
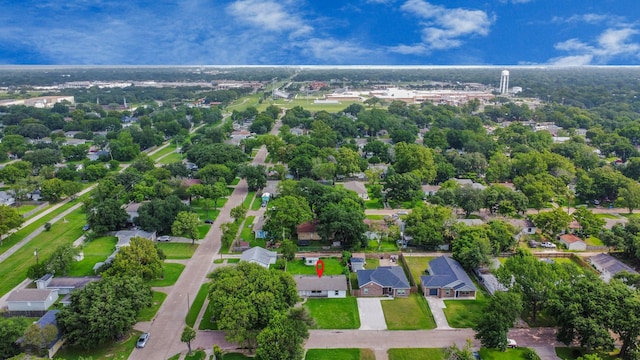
pixel 320 32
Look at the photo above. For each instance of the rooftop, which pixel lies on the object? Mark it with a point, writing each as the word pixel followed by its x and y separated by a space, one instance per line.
pixel 385 276
pixel 446 272
pixel 30 295
pixel 324 283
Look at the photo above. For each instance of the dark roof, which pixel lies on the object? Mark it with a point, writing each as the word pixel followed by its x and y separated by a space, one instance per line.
pixel 611 264
pixel 308 227
pixel 49 318
pixel 324 283
pixel 71 281
pixel 385 276
pixel 357 260
pixel 447 273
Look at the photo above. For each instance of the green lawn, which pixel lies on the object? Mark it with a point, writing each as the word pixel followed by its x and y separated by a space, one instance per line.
pixel 509 354
pixel 196 355
pixel 233 261
pixel 14 269
pixel 234 182
pixel 178 250
pixel 572 353
pixel 340 354
pixel 374 217
pixel 171 158
pixel 593 241
pixel 249 199
pixel 257 202
pixel 167 150
pixel 416 354
pixel 607 216
pixel 332 266
pixel 203 229
pixel 246 234
pixel 172 272
pixel 196 305
pixel 410 313
pixel 147 314
pixel 334 313
pixel 465 313
pixel 373 204
pixel 207 323
pixel 23 209
pixel 94 252
pixel 111 351
pixel 235 356
pixel 417 265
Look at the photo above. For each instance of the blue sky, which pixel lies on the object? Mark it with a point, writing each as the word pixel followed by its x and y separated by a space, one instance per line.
pixel 320 32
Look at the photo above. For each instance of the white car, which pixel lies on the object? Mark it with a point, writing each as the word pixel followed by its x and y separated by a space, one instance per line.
pixel 549 245
pixel 512 343
pixel 164 238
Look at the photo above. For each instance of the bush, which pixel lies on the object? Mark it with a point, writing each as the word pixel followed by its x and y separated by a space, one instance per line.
pixel 530 354
pixel 47 226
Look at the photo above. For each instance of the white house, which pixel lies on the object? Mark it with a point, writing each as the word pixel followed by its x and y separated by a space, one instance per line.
pixel 573 242
pixel 27 300
pixel 608 266
pixel 260 256
pixel 334 286
pixel 311 261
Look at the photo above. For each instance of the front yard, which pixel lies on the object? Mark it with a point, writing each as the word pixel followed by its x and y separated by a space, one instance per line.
pixel 410 313
pixel 112 350
pixel 177 251
pixel 466 313
pixel 334 313
pixel 509 354
pixel 416 354
pixel 171 272
pixel 340 354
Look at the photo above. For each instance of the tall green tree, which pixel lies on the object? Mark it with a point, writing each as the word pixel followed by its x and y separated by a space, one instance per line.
pixel 283 338
pixel 256 176
pixel 9 219
pixel 285 213
pixel 188 334
pixel 11 329
pixel 551 223
pixel 429 226
pixel 141 258
pixel 186 224
pixel 471 248
pixel 414 157
pixel 497 318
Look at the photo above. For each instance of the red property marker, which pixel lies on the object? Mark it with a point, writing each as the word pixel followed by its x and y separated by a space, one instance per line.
pixel 319 268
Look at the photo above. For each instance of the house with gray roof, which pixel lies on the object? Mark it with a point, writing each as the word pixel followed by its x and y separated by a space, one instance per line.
pixel 260 256
pixel 49 318
pixel 334 286
pixel 447 279
pixel 608 266
pixel 125 236
pixel 31 301
pixel 383 281
pixel 64 284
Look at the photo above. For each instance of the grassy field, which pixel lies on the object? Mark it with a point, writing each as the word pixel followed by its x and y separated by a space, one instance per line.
pixel 332 266
pixel 94 252
pixel 196 355
pixel 607 216
pixel 246 234
pixel 416 354
pixel 410 313
pixel 203 230
pixel 465 313
pixel 593 241
pixel 167 150
pixel 374 217
pixel 334 313
pixel 23 209
pixel 172 272
pixel 340 354
pixel 148 313
pixel 178 250
pixel 206 323
pixel 111 351
pixel 196 305
pixel 417 265
pixel 510 354
pixel 233 261
pixel 171 158
pixel 14 269
pixel 572 353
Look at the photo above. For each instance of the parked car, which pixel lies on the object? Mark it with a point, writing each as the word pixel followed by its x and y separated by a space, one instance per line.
pixel 208 221
pixel 476 355
pixel 85 227
pixel 512 343
pixel 164 238
pixel 548 245
pixel 142 340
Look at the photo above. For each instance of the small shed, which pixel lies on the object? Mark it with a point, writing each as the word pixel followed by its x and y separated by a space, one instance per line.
pixel 357 263
pixel 311 261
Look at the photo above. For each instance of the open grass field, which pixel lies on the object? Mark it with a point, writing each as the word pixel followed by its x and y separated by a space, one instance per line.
pixel 466 313
pixel 340 354
pixel 509 354
pixel 147 314
pixel 172 272
pixel 94 252
pixel 334 313
pixel 112 351
pixel 410 313
pixel 171 158
pixel 23 209
pixel 167 150
pixel 417 265
pixel 196 305
pixel 14 269
pixel 571 353
pixel 416 354
pixel 178 251
pixel 332 266
pixel 307 104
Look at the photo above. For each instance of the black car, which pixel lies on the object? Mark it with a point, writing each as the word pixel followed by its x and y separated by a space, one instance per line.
pixel 208 221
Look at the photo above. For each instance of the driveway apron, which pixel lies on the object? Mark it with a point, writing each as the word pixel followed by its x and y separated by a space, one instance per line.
pixel 371 315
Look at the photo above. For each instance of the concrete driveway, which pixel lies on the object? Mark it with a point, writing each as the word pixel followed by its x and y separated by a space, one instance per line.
pixel 437 305
pixel 371 315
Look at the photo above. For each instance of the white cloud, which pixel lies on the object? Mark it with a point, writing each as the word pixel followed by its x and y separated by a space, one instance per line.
pixel 610 43
pixel 591 18
pixel 268 15
pixel 418 49
pixel 445 28
pixel 330 50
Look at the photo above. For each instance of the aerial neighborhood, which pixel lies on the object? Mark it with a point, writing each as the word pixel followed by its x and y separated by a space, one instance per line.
pixel 320 213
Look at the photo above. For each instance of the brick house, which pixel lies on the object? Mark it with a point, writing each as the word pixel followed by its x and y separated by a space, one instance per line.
pixel 307 231
pixel 383 281
pixel 447 279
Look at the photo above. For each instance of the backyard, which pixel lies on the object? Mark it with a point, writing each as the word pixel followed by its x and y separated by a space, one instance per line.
pixel 334 313
pixel 94 251
pixel 332 266
pixel 417 266
pixel 410 313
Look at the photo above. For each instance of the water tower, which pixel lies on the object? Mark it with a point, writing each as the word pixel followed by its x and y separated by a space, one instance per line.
pixel 504 82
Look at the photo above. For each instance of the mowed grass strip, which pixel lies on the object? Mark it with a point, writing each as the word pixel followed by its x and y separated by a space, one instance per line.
pixel 167 150
pixel 171 272
pixel 148 313
pixel 178 251
pixel 14 269
pixel 94 251
pixel 416 354
pixel 171 158
pixel 332 266
pixel 334 313
pixel 196 305
pixel 410 313
pixel 330 354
